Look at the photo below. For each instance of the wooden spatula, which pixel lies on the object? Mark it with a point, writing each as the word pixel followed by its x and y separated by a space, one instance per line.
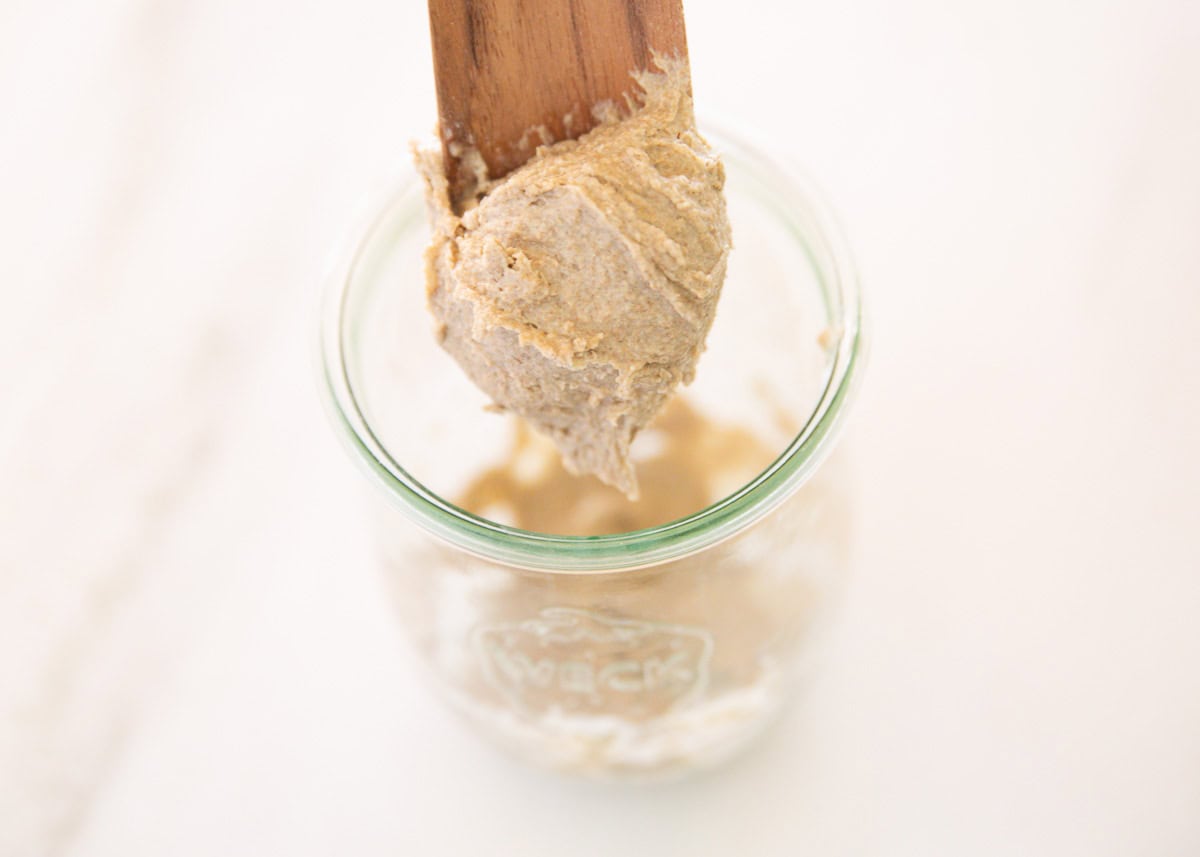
pixel 504 67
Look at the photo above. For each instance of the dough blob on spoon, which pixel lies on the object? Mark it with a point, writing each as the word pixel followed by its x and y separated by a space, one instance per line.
pixel 578 290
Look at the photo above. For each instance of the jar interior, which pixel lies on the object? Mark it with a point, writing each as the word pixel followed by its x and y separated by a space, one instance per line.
pixel 768 362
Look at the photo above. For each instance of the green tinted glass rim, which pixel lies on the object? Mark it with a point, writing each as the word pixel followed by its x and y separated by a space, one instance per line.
pixel 793 200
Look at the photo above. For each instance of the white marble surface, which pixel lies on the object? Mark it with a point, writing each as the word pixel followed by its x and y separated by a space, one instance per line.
pixel 195 657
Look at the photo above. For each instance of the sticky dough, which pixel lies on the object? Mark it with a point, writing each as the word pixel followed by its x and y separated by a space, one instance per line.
pixel 578 290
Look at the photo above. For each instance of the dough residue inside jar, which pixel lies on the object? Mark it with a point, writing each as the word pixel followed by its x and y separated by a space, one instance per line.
pixel 577 291
pixel 695 462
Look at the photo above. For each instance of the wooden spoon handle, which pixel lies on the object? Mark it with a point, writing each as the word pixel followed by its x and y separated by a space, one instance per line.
pixel 504 67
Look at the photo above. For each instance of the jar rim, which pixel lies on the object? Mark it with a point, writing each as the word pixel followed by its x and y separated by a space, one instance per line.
pixel 477 535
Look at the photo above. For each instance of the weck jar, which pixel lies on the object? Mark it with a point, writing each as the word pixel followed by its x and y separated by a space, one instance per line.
pixel 584 631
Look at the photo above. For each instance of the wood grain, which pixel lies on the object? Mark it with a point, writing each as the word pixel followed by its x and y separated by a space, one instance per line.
pixel 503 67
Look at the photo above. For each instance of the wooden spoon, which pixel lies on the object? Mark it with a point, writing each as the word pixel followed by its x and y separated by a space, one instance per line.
pixel 505 67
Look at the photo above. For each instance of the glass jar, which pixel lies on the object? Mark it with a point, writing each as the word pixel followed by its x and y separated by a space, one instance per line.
pixel 581 630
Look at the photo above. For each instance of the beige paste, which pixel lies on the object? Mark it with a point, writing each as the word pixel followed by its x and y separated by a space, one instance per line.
pixel 578 290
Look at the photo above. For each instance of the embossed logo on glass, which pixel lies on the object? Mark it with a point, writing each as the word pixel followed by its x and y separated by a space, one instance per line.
pixel 582 662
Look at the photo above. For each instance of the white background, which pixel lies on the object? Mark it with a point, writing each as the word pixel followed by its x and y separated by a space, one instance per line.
pixel 195 654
